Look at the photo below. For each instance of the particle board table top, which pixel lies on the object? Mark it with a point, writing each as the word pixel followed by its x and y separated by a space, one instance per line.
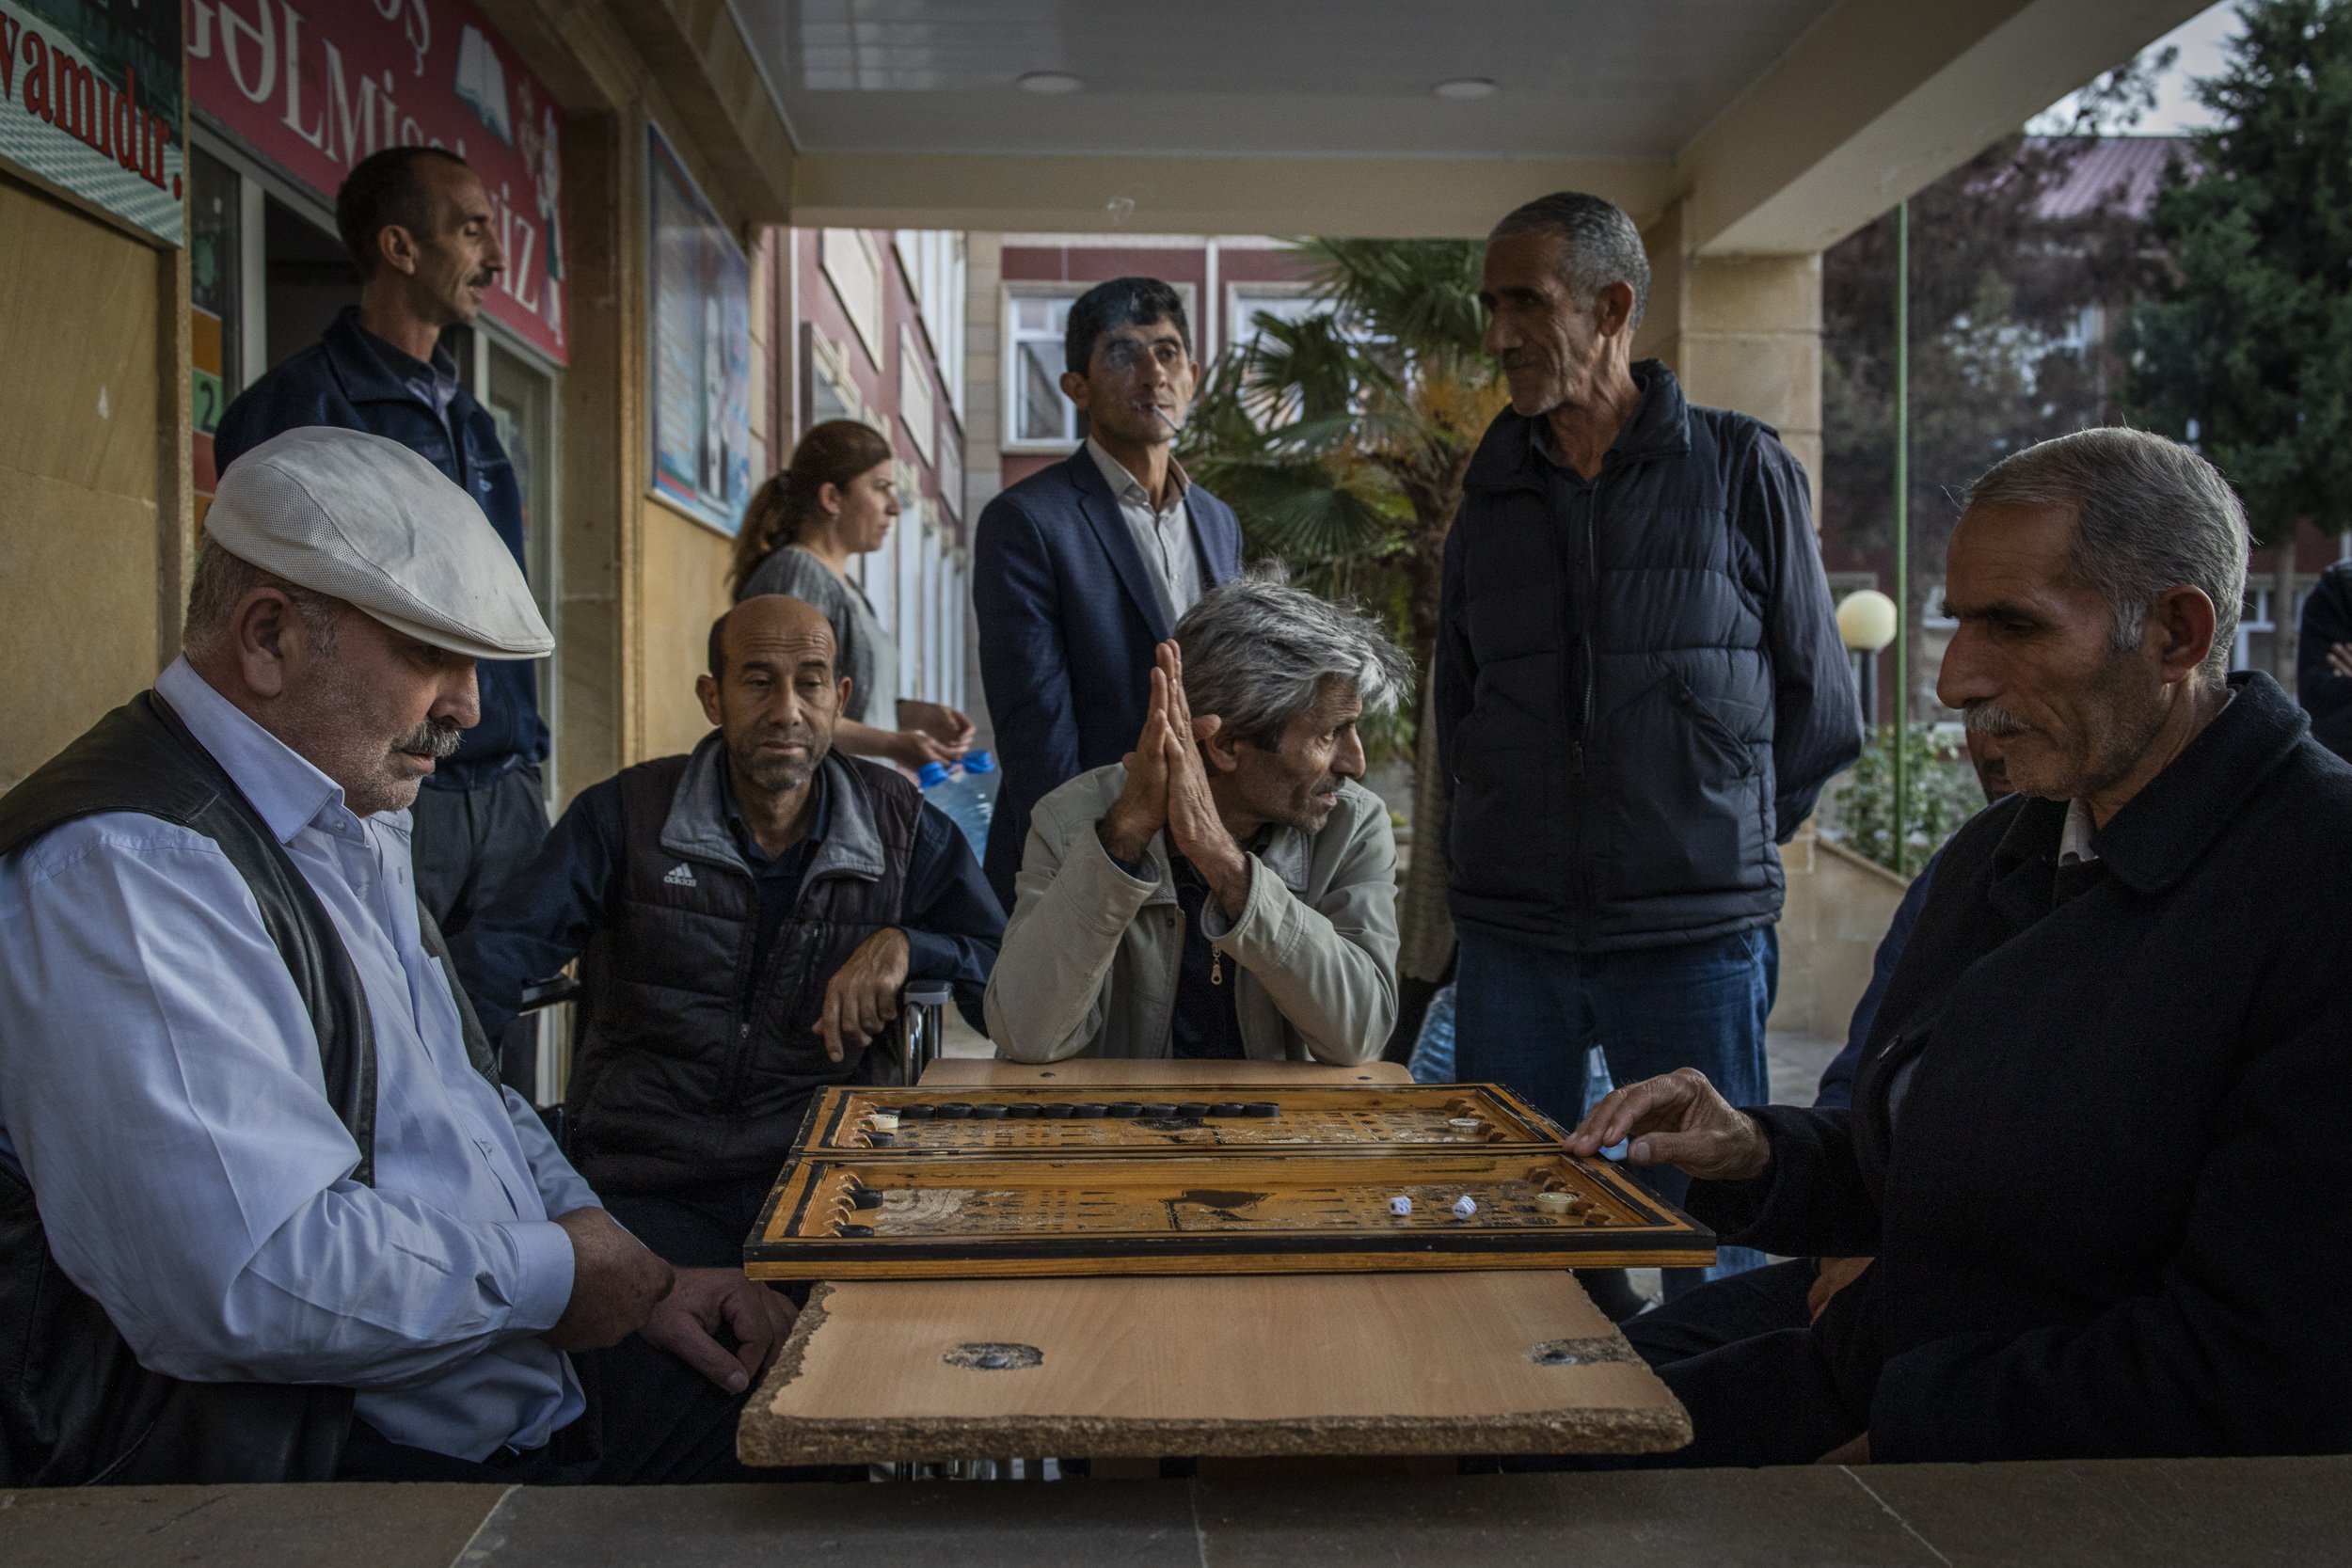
pixel 1289 1365
pixel 1244 1365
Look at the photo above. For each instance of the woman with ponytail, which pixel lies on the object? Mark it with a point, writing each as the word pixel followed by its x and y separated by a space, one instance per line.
pixel 833 501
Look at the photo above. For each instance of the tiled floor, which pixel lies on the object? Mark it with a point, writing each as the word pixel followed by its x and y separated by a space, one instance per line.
pixel 1797 1061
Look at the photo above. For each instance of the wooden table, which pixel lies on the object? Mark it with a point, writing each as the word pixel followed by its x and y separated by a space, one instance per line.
pixel 1291 1365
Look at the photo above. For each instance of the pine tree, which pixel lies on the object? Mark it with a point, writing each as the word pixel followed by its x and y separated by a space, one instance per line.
pixel 2247 350
pixel 1998 293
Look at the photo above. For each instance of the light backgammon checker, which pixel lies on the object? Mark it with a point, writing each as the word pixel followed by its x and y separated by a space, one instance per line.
pixel 1040 1181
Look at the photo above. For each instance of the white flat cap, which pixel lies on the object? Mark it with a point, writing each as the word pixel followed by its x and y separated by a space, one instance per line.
pixel 366 520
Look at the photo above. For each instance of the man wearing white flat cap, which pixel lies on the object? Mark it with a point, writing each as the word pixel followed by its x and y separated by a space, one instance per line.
pixel 262 1215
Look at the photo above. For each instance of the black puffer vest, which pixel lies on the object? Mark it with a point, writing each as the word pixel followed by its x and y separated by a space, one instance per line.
pixel 1613 780
pixel 75 1405
pixel 678 1082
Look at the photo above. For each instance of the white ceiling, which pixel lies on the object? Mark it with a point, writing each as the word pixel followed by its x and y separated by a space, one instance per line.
pixel 1603 79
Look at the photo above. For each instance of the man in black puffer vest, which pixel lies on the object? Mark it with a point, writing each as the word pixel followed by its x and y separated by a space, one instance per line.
pixel 1640 691
pixel 746 916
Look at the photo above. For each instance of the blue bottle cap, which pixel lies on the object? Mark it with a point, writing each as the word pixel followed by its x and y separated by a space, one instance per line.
pixel 931 775
pixel 978 762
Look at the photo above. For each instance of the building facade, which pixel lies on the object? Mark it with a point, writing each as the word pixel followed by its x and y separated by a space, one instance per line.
pixel 878 335
pixel 653 348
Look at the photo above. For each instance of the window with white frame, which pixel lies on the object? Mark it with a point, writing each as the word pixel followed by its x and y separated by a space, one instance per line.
pixel 2254 620
pixel 853 266
pixel 934 623
pixel 1247 304
pixel 918 543
pixel 916 410
pixel 956 627
pixel 1285 302
pixel 933 262
pixel 832 392
pixel 1038 417
pixel 951 476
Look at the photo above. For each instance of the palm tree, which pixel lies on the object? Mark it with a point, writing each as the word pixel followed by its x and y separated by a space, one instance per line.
pixel 1341 440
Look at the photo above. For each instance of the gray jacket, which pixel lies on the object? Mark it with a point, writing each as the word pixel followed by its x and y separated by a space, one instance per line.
pixel 1089 959
pixel 861 650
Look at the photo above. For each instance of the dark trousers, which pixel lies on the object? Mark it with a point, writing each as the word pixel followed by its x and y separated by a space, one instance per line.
pixel 1525 1016
pixel 651 1419
pixel 464 844
pixel 1724 1311
pixel 694 1227
pixel 1761 1385
pixel 1764 1385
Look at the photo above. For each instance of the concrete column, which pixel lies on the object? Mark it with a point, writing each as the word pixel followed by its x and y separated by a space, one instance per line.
pixel 983 431
pixel 1742 332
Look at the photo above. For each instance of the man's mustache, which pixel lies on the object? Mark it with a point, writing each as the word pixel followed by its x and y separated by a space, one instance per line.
pixel 436 738
pixel 1992 720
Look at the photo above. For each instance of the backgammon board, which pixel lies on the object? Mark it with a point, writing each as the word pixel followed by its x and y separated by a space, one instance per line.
pixel 1035 1181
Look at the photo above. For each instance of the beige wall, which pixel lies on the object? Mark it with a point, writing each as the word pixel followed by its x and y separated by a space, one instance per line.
pixel 92 333
pixel 983 425
pixel 684 588
pixel 1742 332
pixel 674 569
pixel 641 581
pixel 1838 908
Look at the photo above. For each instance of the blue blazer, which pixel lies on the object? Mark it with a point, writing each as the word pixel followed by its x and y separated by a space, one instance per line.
pixel 1068 619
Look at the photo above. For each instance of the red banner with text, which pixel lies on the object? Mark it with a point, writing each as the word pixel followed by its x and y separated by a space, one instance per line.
pixel 317 85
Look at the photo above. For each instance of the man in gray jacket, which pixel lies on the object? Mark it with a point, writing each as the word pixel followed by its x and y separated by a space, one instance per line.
pixel 1229 889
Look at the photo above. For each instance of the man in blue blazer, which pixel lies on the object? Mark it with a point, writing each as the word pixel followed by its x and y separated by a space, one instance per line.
pixel 1081 570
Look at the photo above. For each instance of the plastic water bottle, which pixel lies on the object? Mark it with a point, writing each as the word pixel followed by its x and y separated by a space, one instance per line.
pixel 968 798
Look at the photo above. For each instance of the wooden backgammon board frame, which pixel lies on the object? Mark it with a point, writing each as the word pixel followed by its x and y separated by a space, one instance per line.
pixel 1013 1182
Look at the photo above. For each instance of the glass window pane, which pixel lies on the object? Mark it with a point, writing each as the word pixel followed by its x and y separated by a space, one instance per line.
pixel 1043 412
pixel 214 271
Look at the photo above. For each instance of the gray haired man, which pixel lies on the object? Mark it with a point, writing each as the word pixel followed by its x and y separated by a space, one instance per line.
pixel 2097 1127
pixel 1229 889
pixel 1639 693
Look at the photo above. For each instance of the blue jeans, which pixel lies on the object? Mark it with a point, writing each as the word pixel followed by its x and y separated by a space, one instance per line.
pixel 1526 1016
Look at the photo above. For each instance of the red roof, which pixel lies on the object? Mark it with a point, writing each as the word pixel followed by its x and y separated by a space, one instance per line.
pixel 2133 165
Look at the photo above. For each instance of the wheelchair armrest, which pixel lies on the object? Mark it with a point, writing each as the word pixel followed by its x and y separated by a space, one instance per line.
pixel 546 994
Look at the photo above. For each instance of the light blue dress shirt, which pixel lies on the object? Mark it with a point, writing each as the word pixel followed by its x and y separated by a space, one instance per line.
pixel 160 1087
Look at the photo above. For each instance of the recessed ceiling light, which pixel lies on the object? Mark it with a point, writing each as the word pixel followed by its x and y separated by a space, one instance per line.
pixel 1467 87
pixel 1053 84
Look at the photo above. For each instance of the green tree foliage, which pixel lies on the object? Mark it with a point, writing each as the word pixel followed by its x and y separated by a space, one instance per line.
pixel 2247 350
pixel 1999 298
pixel 1341 439
pixel 1943 793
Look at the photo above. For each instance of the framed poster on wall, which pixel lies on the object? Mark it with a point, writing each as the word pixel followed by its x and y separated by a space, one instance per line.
pixel 698 318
